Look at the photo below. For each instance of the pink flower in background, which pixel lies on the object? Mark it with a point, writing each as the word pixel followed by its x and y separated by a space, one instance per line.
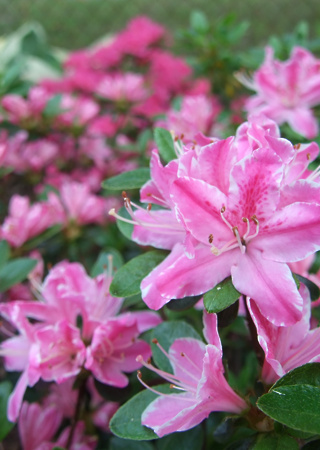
pixel 114 349
pixel 287 91
pixel 55 346
pixel 197 114
pixel 122 87
pixel 24 155
pixel 26 221
pixel 38 425
pixel 76 203
pixel 286 347
pixel 198 373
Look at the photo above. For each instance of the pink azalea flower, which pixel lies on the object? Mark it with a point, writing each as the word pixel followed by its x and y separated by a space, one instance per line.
pixel 240 218
pixel 122 87
pixel 38 425
pixel 286 91
pixel 77 204
pixel 286 347
pixel 198 373
pixel 80 441
pixel 114 349
pixel 23 155
pixel 197 114
pixel 26 221
pixel 56 347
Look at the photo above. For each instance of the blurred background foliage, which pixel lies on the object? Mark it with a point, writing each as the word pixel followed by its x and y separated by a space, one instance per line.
pixel 74 24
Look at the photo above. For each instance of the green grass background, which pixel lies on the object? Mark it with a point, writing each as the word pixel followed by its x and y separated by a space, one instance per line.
pixel 76 23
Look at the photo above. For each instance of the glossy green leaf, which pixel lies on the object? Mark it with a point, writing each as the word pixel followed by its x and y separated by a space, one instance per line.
pixel 15 271
pixel 127 279
pixel 5 425
pixel 4 252
pixel 166 333
pixel 128 180
pixel 117 443
pixel 275 442
pixel 103 262
pixel 306 374
pixel 126 422
pixel 165 144
pixel 188 440
pixel 181 304
pixel 125 227
pixel 296 406
pixel 221 296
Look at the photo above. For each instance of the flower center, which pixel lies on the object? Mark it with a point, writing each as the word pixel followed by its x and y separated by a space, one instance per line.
pixel 237 240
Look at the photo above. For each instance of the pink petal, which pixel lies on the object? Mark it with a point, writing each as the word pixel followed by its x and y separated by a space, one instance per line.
pixel 178 276
pixel 292 233
pixel 270 284
pixel 199 204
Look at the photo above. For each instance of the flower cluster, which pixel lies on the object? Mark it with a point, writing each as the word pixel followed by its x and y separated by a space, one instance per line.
pixel 77 327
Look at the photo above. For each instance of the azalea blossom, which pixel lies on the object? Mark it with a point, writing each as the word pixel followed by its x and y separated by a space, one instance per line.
pixel 287 91
pixel 198 373
pixel 286 347
pixel 76 326
pixel 232 210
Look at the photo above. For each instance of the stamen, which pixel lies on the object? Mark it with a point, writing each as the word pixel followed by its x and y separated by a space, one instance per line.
pixel 174 361
pixel 237 235
pixel 210 238
pixel 244 219
pixel 256 221
pixel 222 210
pixel 139 376
pixel 314 174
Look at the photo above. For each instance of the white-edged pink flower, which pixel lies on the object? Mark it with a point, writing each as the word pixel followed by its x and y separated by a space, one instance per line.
pixel 287 91
pixel 289 347
pixel 198 374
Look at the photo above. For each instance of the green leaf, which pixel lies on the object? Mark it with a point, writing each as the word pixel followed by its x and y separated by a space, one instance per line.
pixel 296 406
pixel 312 287
pixel 275 442
pixel 165 144
pixel 5 425
pixel 166 333
pixel 4 252
pixel 45 236
pixel 15 271
pixel 221 296
pixel 124 444
pixel 199 22
pixel 128 180
pixel 53 107
pixel 188 440
pixel 127 279
pixel 181 304
pixel 306 374
pixel 125 227
pixel 103 261
pixel 126 422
